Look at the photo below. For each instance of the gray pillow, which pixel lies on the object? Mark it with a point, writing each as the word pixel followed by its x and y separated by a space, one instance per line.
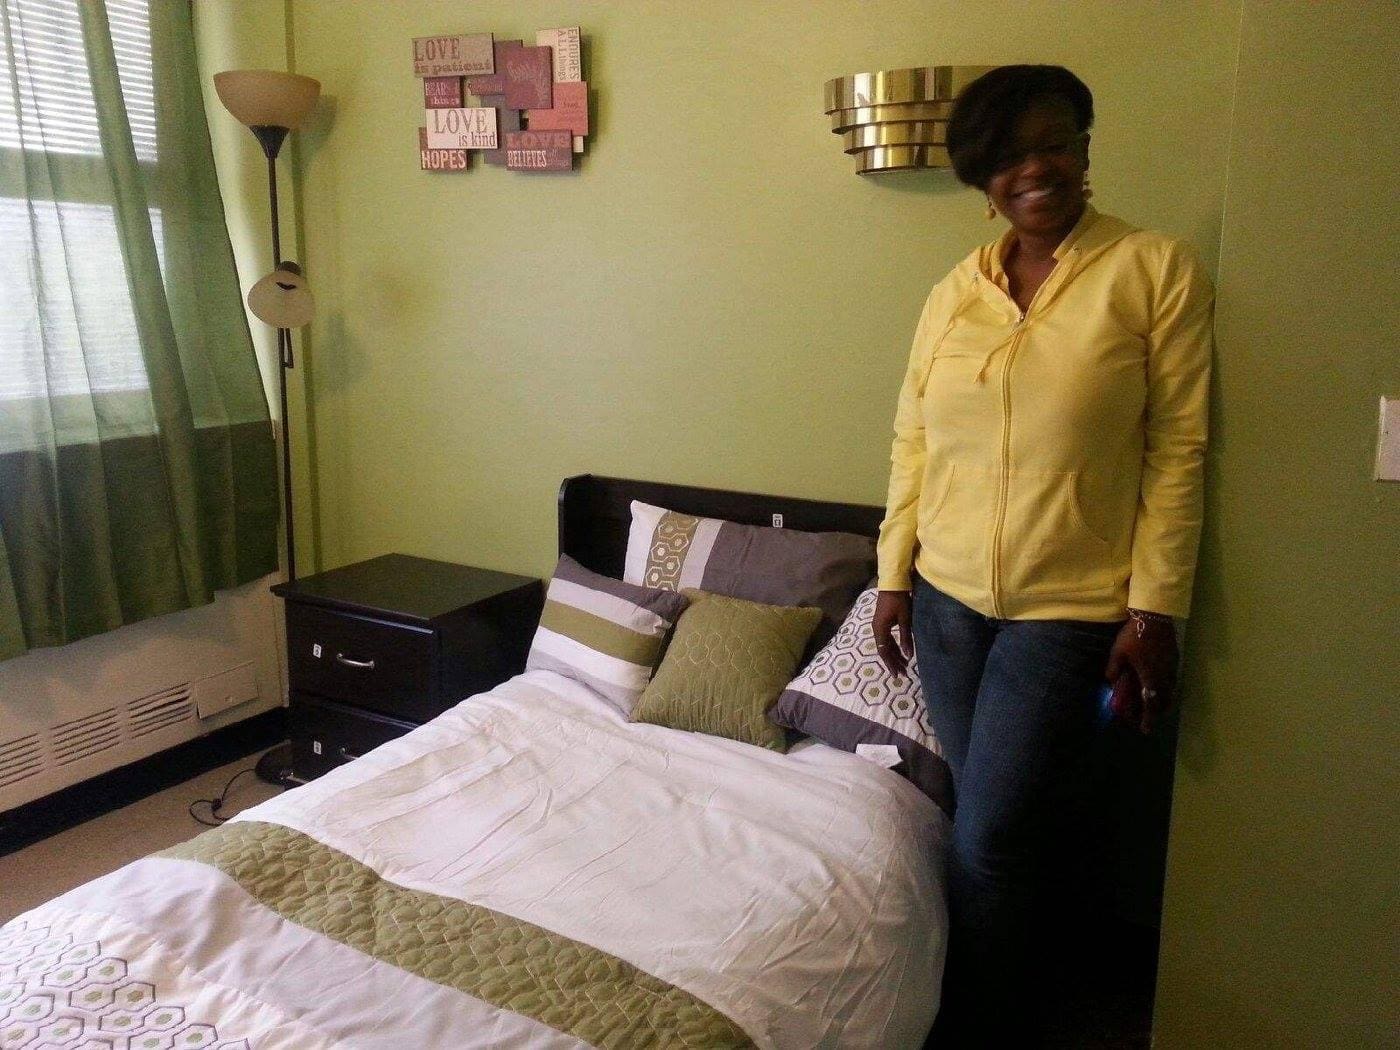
pixel 845 697
pixel 671 550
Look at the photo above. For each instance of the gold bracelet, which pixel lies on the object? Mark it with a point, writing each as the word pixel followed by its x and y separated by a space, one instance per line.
pixel 1141 618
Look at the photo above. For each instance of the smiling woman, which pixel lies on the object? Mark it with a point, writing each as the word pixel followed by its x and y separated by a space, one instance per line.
pixel 1042 520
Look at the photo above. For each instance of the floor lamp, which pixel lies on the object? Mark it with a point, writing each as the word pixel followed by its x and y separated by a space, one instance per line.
pixel 271 103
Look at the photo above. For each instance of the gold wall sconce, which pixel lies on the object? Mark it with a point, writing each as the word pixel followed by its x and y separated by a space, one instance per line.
pixel 897 119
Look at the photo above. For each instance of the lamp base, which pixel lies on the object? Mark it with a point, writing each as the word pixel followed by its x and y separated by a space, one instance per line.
pixel 275 765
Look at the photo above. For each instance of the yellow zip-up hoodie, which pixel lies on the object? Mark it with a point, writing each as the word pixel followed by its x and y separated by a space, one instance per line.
pixel 1048 466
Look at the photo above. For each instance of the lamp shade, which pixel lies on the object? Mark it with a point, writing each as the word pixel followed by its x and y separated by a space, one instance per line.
pixel 267 97
pixel 282 299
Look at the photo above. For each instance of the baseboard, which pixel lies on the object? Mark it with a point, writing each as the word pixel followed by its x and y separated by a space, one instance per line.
pixel 27 824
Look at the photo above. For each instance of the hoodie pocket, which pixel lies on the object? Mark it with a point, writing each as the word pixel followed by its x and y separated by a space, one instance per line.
pixel 1046 545
pixel 954 533
pixel 930 509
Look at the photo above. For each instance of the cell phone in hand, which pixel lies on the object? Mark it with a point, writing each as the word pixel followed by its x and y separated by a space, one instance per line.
pixel 1120 701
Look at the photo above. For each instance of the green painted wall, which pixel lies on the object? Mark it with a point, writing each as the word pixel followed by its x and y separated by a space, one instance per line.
pixel 716 298
pixel 1280 924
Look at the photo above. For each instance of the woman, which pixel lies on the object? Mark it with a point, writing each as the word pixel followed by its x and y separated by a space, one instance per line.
pixel 1044 507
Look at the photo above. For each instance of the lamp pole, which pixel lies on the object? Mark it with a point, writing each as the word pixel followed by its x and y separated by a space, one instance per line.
pixel 270 103
pixel 270 137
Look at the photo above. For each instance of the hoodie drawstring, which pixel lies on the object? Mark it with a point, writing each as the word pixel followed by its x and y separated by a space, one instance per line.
pixel 969 294
pixel 987 361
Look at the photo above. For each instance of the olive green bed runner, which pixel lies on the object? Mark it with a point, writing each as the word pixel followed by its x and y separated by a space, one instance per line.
pixel 512 964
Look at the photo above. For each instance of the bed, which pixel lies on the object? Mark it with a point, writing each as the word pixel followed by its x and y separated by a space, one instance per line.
pixel 529 869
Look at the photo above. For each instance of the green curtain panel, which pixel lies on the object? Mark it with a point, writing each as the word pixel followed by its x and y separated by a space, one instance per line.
pixel 137 459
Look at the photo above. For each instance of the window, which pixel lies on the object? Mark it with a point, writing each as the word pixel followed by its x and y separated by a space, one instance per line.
pixel 65 347
pixel 138 464
pixel 57 227
pixel 51 85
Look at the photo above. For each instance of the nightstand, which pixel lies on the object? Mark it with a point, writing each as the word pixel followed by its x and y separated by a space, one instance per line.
pixel 379 647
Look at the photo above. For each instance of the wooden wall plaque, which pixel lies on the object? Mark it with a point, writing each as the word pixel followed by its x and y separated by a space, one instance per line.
pixel 568 52
pixel 570 111
pixel 463 55
pixel 442 92
pixel 473 127
pixel 539 151
pixel 529 78
pixel 440 159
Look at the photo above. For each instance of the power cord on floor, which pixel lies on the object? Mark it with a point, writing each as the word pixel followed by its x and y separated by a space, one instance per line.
pixel 217 803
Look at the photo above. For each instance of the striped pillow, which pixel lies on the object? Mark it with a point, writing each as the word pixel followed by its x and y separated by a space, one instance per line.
pixel 602 632
pixel 771 566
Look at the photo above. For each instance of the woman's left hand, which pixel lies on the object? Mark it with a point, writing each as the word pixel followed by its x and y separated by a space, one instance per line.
pixel 1148 649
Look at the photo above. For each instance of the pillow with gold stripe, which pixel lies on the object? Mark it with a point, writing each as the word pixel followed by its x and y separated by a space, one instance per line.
pixel 771 566
pixel 602 632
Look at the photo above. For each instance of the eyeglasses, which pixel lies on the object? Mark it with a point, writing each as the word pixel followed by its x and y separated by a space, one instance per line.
pixel 1053 150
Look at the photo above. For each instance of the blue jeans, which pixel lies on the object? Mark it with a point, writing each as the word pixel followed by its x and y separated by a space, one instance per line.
pixel 1014 705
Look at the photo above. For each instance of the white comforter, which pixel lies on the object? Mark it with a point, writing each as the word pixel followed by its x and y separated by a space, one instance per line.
pixel 799 894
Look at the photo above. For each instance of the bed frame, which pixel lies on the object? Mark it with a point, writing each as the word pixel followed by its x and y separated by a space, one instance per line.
pixel 595 514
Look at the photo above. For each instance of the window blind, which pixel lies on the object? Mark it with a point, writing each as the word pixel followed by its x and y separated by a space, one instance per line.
pixel 50 344
pixel 47 102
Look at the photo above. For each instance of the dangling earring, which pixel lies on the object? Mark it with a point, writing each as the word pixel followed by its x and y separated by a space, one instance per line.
pixel 1088 190
pixel 991 210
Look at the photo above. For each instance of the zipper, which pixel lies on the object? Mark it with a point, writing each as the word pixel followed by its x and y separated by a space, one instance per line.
pixel 1047 288
pixel 1004 485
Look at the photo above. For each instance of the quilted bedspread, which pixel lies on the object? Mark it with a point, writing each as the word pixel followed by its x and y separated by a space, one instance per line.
pixel 528 870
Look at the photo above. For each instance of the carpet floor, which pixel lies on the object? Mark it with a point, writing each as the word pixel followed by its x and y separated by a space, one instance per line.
pixel 55 865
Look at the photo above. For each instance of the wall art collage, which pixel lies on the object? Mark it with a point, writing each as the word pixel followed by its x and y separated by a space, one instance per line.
pixel 518 106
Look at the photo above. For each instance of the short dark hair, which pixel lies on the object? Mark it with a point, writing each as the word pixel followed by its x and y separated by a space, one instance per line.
pixel 986 113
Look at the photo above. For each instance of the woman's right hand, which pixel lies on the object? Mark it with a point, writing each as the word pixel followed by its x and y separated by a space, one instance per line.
pixel 894 609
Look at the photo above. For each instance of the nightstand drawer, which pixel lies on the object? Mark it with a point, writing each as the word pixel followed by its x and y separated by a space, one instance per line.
pixel 326 734
pixel 386 666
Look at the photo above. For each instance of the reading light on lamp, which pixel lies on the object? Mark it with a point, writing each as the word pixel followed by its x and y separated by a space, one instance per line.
pixel 272 103
pixel 281 299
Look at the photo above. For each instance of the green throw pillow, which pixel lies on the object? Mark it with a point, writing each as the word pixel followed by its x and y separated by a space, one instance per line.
pixel 728 661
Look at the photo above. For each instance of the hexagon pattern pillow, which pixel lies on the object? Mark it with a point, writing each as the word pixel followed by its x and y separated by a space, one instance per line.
pixel 845 697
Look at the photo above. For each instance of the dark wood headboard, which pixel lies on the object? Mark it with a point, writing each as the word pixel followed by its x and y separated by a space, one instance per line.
pixel 595 514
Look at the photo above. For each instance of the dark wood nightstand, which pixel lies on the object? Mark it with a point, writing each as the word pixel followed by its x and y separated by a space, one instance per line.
pixel 381 646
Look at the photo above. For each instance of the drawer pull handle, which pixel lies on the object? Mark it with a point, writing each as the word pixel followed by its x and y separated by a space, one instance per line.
pixel 359 665
pixel 348 755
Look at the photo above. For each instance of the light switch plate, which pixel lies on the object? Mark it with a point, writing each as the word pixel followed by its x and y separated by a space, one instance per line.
pixel 219 692
pixel 1388 441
